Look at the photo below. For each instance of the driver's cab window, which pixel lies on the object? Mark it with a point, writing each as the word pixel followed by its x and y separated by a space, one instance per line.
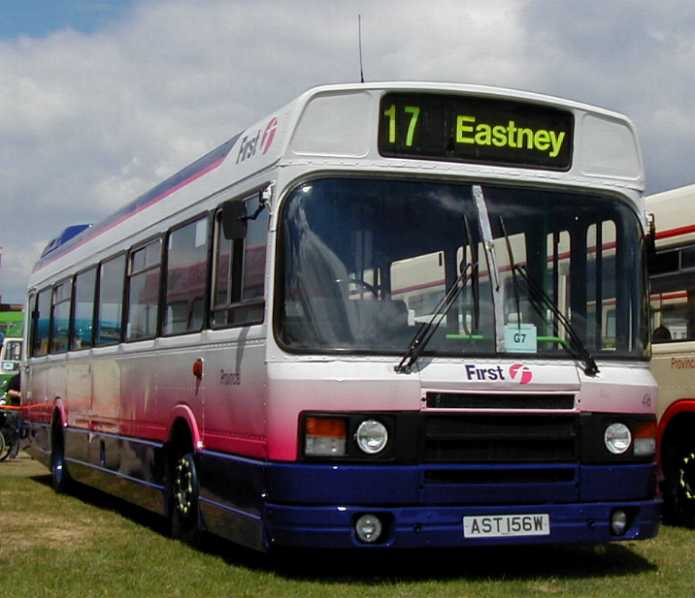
pixel 238 295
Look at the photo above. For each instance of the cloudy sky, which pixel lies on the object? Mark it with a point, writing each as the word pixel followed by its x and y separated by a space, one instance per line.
pixel 101 99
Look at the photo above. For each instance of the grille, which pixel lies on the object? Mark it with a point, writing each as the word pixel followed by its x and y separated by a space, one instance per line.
pixel 448 400
pixel 501 476
pixel 472 438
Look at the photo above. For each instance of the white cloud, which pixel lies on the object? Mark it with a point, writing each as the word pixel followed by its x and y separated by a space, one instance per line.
pixel 88 121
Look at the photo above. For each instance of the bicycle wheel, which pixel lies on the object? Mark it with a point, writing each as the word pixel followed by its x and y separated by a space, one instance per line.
pixel 5 447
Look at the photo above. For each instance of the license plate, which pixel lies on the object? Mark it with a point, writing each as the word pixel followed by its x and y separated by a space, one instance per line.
pixel 501 526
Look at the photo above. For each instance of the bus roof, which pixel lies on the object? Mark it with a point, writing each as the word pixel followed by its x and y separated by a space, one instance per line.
pixel 674 215
pixel 336 125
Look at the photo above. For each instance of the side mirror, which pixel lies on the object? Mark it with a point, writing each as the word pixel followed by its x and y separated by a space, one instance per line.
pixel 234 220
pixel 651 232
pixel 651 239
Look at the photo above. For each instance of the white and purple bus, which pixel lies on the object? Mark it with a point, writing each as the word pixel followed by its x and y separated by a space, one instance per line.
pixel 374 319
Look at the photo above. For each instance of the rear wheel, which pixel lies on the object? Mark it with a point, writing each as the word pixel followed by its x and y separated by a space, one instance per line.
pixel 679 488
pixel 183 498
pixel 9 446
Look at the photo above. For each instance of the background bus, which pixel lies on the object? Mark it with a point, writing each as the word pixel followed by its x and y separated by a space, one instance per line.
pixel 11 330
pixel 246 347
pixel 672 278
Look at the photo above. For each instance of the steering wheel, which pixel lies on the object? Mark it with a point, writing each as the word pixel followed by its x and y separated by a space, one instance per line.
pixel 365 285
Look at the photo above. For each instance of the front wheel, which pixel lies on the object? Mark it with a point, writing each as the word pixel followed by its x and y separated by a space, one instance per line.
pixel 60 479
pixel 183 499
pixel 679 491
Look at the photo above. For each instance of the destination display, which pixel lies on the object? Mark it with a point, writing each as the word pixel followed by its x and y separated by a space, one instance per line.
pixel 474 129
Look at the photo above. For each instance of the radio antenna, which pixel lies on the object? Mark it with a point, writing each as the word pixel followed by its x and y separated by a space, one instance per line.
pixel 359 41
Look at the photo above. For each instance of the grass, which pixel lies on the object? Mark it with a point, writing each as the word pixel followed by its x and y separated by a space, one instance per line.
pixel 90 544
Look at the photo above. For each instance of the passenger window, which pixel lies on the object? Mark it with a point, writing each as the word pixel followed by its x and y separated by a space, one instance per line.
pixel 60 322
pixel 239 289
pixel 143 291
pixel 13 350
pixel 85 284
pixel 41 320
pixel 109 316
pixel 186 282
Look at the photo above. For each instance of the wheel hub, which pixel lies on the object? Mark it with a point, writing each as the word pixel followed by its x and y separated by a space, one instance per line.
pixel 686 476
pixel 183 486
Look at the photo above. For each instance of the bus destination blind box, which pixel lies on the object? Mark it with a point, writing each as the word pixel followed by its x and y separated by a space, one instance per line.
pixel 474 129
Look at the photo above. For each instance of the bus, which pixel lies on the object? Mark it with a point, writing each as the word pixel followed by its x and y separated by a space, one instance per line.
pixel 374 319
pixel 11 328
pixel 10 357
pixel 672 279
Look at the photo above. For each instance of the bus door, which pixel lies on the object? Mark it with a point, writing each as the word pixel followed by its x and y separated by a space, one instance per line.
pixel 235 374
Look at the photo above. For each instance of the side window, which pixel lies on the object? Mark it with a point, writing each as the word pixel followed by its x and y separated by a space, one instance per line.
pixel 672 285
pixel 143 291
pixel 41 320
pixel 13 350
pixel 239 285
pixel 109 316
pixel 186 279
pixel 60 321
pixel 83 300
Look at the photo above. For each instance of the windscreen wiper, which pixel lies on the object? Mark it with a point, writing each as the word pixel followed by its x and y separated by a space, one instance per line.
pixel 427 329
pixel 539 300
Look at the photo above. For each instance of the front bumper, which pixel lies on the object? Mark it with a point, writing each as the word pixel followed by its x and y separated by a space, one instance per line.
pixel 429 526
pixel 264 504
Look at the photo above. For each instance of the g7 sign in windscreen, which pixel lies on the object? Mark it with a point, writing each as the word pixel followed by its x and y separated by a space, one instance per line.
pixel 475 129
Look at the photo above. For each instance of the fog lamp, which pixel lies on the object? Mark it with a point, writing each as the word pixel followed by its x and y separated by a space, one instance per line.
pixel 371 436
pixel 618 522
pixel 368 528
pixel 617 438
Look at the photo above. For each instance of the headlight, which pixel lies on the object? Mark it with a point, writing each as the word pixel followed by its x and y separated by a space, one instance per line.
pixel 371 436
pixel 617 438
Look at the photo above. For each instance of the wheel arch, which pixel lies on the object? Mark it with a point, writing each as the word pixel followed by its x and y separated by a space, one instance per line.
pixel 182 423
pixel 59 413
pixel 59 420
pixel 675 422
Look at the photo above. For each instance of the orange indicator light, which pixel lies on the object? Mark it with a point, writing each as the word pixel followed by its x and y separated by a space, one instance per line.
pixel 332 427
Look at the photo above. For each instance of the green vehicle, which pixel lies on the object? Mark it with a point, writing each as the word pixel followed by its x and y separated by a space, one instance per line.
pixel 11 329
pixel 10 356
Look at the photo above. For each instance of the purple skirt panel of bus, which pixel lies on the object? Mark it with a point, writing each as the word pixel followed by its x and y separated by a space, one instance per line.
pixel 262 504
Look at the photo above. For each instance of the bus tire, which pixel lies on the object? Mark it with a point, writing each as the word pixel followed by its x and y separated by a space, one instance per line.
pixel 182 490
pixel 60 478
pixel 679 484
